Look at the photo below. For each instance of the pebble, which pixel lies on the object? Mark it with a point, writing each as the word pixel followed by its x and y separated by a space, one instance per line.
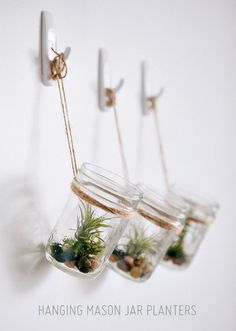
pixel 123 266
pixel 70 264
pixel 178 260
pixel 129 260
pixel 95 263
pixel 136 272
pixel 138 262
pixel 147 267
pixel 113 258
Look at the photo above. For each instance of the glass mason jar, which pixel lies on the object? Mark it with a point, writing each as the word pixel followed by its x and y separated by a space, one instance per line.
pixel 148 235
pixel 201 214
pixel 92 222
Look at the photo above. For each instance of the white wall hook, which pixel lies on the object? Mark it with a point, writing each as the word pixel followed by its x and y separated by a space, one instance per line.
pixel 144 88
pixel 48 42
pixel 160 93
pixel 104 80
pixel 67 52
pixel 119 85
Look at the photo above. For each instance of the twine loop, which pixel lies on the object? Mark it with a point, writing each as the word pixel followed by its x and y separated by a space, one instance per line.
pixel 111 97
pixel 152 103
pixel 58 66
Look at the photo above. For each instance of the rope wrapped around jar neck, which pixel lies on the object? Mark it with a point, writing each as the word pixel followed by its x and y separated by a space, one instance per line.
pixel 92 201
pixel 177 228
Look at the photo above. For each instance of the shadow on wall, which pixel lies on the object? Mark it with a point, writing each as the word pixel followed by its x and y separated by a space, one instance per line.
pixel 25 231
pixel 25 228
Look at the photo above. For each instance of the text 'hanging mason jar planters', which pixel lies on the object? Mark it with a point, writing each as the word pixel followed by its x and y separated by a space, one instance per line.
pixel 97 212
pixel 148 235
pixel 201 214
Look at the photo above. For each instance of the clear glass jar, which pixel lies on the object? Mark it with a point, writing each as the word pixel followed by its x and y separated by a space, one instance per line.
pixel 201 214
pixel 97 212
pixel 148 235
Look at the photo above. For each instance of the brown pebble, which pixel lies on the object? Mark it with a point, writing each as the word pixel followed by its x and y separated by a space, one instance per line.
pixel 138 262
pixel 129 260
pixel 147 267
pixel 70 264
pixel 95 263
pixel 136 272
pixel 123 266
pixel 178 260
pixel 113 258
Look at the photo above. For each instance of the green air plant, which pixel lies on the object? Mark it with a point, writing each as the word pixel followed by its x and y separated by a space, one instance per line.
pixel 133 256
pixel 85 248
pixel 176 251
pixel 139 244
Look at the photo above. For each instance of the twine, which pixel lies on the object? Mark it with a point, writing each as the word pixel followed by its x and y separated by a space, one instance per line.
pixel 153 106
pixel 157 221
pixel 197 220
pixel 92 201
pixel 111 103
pixel 58 72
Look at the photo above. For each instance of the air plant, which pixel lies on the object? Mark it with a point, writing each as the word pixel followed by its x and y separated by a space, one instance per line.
pixel 132 257
pixel 86 247
pixel 176 251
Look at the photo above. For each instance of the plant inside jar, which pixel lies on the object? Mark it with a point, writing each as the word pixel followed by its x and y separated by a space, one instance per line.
pixel 84 250
pixel 132 257
pixel 176 252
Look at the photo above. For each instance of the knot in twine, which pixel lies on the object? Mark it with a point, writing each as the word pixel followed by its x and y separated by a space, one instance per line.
pixel 152 102
pixel 58 66
pixel 111 97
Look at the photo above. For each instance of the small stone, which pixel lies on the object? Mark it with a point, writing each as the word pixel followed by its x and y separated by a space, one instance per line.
pixel 57 252
pixel 136 272
pixel 119 253
pixel 83 264
pixel 95 263
pixel 138 262
pixel 70 264
pixel 129 260
pixel 113 258
pixel 68 254
pixel 123 266
pixel 147 267
pixel 179 260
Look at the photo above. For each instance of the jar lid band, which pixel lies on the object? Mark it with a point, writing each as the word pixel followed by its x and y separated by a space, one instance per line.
pixel 197 220
pixel 177 228
pixel 91 200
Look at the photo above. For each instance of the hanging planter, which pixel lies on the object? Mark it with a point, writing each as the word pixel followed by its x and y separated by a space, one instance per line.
pixel 98 208
pixel 97 212
pixel 201 214
pixel 148 236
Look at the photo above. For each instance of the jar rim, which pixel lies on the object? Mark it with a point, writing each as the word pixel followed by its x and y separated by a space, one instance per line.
pixel 169 212
pixel 109 182
pixel 194 198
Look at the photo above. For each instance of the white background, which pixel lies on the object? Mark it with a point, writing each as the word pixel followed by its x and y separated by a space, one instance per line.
pixel 190 48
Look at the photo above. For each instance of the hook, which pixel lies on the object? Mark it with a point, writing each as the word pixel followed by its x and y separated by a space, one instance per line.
pixel 160 93
pixel 144 96
pixel 48 42
pixel 118 86
pixel 104 80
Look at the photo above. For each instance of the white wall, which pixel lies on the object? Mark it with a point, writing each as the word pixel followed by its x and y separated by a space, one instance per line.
pixel 190 47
